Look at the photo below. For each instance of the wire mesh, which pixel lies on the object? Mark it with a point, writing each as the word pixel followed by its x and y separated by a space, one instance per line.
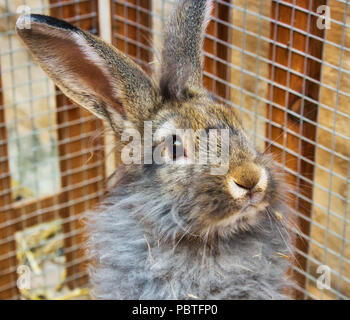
pixel 287 80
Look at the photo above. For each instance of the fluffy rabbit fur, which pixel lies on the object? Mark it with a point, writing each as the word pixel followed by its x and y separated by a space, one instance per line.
pixel 171 230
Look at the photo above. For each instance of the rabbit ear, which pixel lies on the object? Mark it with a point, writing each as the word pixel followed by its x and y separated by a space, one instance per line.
pixel 89 71
pixel 181 68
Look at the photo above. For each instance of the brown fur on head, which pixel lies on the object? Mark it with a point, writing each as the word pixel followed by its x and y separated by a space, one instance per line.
pixel 103 80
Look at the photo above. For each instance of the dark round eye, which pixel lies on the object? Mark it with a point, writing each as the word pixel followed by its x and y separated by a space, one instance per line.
pixel 176 147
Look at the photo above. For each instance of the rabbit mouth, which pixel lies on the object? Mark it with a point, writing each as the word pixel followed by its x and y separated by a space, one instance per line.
pixel 228 215
pixel 247 217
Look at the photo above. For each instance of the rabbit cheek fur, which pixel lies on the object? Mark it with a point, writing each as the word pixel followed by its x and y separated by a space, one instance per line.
pixel 171 230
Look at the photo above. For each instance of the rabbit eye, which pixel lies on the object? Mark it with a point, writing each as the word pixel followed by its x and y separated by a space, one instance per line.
pixel 176 147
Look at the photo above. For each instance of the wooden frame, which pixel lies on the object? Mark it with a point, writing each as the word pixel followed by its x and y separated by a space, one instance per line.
pixel 222 32
pixel 7 244
pixel 131 30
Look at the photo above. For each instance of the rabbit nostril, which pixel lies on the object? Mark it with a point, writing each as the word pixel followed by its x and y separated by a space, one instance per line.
pixel 238 189
pixel 247 187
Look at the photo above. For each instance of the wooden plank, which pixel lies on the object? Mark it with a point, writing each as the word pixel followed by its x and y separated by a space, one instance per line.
pixel 281 53
pixel 217 67
pixel 7 277
pixel 86 128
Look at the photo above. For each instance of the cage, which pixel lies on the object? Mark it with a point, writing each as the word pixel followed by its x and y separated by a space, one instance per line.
pixel 283 65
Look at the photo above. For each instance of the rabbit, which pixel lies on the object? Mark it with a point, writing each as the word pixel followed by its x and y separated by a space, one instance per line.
pixel 171 230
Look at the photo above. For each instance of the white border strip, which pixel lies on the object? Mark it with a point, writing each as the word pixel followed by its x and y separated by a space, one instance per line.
pixel 105 20
pixel 105 26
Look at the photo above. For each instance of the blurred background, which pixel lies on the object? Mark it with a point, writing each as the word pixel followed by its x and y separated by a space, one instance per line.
pixel 283 68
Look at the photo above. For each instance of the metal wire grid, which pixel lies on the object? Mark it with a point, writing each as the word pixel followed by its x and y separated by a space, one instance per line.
pixel 77 181
pixel 342 278
pixel 138 23
pixel 333 130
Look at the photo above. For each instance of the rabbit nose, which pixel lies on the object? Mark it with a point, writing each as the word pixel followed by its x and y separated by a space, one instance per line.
pixel 245 179
pixel 247 176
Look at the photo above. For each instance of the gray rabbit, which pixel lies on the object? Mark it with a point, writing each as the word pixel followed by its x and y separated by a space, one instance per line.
pixel 171 230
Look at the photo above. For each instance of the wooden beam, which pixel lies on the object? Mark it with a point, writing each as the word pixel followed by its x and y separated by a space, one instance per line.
pixel 7 243
pixel 288 110
pixel 219 29
pixel 132 30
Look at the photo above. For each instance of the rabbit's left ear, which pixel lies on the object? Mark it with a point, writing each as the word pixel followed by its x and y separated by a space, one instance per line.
pixel 89 71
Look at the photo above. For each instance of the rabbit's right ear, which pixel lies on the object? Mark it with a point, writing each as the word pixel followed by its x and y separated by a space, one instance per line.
pixel 181 65
pixel 89 71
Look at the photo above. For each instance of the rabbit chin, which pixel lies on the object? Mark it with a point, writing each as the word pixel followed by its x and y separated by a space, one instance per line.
pixel 242 220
